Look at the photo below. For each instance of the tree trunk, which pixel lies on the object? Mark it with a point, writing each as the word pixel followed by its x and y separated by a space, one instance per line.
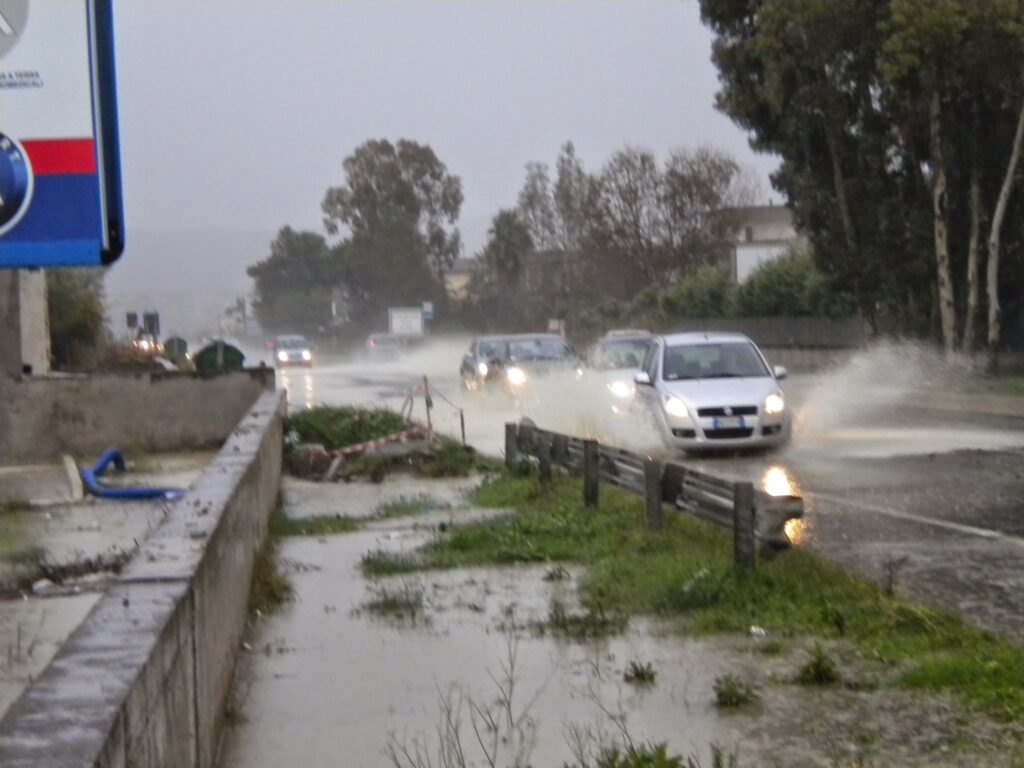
pixel 973 258
pixel 995 329
pixel 947 309
pixel 839 180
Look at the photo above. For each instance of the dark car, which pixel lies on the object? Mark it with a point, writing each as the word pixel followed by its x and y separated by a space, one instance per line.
pixel 384 346
pixel 512 361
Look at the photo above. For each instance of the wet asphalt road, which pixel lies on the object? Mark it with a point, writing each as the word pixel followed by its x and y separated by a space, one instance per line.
pixel 897 480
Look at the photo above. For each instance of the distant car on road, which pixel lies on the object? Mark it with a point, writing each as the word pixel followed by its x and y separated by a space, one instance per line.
pixel 512 361
pixel 293 349
pixel 384 346
pixel 713 390
pixel 615 359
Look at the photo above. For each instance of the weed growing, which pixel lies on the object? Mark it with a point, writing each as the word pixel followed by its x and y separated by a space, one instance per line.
pixel 639 673
pixel 590 624
pixel 732 693
pixel 403 508
pixel 821 669
pixel 402 602
pixel 271 587
pixel 380 562
pixel 686 570
pixel 281 525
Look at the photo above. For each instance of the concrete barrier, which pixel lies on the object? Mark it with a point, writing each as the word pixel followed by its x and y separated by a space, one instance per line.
pixel 144 680
pixel 42 418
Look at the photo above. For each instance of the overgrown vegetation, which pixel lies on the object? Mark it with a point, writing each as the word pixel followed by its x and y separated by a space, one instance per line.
pixel 588 624
pixel 686 571
pixel 76 311
pixel 341 426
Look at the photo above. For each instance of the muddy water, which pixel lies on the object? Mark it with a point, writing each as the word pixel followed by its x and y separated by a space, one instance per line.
pixel 327 682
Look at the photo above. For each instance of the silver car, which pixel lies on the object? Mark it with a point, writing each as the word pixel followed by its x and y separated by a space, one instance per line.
pixel 714 390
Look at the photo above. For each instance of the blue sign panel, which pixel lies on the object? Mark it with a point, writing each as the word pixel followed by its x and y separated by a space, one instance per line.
pixel 60 191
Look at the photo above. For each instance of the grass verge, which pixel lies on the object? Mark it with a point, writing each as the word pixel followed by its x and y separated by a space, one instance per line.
pixel 686 571
pixel 339 427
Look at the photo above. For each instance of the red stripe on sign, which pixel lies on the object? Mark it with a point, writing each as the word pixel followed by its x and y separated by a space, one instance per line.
pixel 61 156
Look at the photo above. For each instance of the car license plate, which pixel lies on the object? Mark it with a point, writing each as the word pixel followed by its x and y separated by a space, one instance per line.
pixel 729 422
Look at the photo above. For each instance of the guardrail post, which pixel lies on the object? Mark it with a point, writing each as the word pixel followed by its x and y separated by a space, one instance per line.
pixel 511 444
pixel 591 472
pixel 653 495
pixel 544 457
pixel 743 525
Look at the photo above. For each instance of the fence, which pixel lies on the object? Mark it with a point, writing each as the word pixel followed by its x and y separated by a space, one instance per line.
pixel 753 516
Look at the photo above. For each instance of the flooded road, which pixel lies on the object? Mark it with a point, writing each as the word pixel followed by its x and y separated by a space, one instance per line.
pixel 897 466
pixel 333 679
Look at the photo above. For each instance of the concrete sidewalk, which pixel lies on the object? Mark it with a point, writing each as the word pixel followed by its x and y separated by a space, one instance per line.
pixel 56 560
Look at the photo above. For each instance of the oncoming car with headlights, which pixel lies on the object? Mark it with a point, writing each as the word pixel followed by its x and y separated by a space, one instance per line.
pixel 511 362
pixel 293 350
pixel 613 362
pixel 714 390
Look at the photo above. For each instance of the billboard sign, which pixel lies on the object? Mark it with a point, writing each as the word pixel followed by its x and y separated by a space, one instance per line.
pixel 60 191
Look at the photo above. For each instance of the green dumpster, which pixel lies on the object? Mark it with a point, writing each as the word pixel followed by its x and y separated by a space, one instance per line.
pixel 176 349
pixel 218 357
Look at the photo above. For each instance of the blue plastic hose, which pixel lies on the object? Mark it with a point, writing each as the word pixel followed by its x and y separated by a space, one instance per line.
pixel 113 456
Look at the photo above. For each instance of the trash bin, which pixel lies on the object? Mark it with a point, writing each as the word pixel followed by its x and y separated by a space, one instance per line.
pixel 218 357
pixel 176 349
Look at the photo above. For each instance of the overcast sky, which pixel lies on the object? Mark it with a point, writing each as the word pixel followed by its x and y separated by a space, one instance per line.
pixel 236 114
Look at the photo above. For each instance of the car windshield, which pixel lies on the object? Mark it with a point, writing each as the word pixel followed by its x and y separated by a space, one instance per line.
pixel 713 361
pixel 625 353
pixel 493 349
pixel 539 349
pixel 383 341
pixel 292 342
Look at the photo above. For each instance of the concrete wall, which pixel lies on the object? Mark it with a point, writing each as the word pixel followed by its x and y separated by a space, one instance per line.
pixel 42 418
pixel 143 681
pixel 24 323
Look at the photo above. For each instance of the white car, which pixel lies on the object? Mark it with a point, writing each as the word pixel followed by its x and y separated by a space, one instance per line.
pixel 714 390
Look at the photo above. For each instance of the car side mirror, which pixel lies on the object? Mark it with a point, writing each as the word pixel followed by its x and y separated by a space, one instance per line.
pixel 781 372
pixel 642 378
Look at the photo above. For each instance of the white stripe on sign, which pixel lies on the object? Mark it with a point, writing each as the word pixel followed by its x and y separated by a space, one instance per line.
pixel 5 28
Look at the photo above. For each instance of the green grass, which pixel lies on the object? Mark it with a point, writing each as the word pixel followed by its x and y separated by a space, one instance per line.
pixel 281 525
pixel 732 693
pixel 1008 385
pixel 405 601
pixel 404 508
pixel 338 427
pixel 686 571
pixel 15 506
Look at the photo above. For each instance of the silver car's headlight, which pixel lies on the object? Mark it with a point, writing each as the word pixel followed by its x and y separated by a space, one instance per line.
pixel 622 389
pixel 307 355
pixel 516 376
pixel 676 407
pixel 774 404
pixel 282 356
pixel 482 369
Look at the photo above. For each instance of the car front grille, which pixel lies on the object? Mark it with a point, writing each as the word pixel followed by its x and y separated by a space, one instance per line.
pixel 728 434
pixel 688 434
pixel 735 410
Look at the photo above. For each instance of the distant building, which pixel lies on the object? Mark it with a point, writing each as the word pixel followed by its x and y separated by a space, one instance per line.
pixel 763 234
pixel 457 278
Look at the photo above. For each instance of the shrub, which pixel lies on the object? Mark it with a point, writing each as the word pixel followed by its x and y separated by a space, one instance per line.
pixel 820 670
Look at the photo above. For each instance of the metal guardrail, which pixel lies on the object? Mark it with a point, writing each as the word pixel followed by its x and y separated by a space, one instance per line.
pixel 753 516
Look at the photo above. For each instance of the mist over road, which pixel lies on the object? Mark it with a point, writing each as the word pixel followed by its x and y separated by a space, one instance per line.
pixel 895 475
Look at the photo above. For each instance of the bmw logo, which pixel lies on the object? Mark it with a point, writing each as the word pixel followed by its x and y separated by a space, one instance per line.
pixel 15 183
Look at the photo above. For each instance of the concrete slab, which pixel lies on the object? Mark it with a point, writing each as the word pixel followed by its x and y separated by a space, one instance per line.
pixel 31 632
pixel 39 484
